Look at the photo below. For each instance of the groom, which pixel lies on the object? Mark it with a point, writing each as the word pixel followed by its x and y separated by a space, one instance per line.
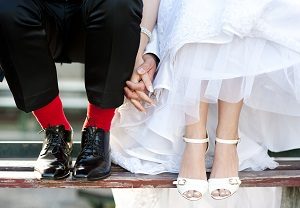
pixel 103 34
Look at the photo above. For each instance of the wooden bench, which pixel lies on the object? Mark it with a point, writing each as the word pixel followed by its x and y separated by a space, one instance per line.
pixel 19 174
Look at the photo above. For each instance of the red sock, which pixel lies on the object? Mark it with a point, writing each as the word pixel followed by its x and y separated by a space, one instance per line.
pixel 52 115
pixel 99 117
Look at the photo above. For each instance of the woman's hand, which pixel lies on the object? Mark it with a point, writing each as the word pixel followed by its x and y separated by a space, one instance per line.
pixel 141 82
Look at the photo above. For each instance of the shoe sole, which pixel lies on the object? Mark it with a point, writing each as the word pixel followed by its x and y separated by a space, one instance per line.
pixel 85 178
pixel 41 177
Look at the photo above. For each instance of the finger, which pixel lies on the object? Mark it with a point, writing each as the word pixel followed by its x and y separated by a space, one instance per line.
pixel 149 63
pixel 138 105
pixel 148 83
pixel 143 69
pixel 131 95
pixel 136 86
pixel 135 77
pixel 146 66
pixel 151 73
pixel 145 98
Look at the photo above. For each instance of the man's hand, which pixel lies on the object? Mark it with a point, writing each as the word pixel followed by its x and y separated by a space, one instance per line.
pixel 141 82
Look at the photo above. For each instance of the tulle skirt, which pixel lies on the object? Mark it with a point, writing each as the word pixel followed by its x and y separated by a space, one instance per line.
pixel 262 73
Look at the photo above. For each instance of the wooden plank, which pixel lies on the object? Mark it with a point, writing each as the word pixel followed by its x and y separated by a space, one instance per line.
pixel 271 178
pixel 15 164
pixel 289 165
pixel 10 177
pixel 287 178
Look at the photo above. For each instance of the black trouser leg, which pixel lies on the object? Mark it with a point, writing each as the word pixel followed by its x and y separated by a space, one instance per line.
pixel 26 59
pixel 112 40
pixel 34 33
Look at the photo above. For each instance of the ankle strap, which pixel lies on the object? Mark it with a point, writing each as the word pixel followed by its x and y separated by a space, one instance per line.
pixel 227 141
pixel 197 141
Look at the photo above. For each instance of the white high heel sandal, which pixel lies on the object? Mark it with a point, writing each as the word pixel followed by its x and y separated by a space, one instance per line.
pixel 187 184
pixel 231 184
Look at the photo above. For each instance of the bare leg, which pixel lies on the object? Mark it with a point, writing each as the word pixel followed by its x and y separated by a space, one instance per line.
pixel 226 158
pixel 193 159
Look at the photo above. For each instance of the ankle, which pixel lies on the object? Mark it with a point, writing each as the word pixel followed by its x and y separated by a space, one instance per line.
pixel 227 134
pixel 99 117
pixel 196 133
pixel 52 114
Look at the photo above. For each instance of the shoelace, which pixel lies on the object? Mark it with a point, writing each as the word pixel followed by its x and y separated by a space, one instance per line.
pixel 90 146
pixel 54 140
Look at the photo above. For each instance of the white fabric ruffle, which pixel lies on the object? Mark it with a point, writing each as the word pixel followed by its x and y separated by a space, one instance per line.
pixel 264 74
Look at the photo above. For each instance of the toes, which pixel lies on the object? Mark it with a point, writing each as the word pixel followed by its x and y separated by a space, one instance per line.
pixel 227 192
pixel 197 194
pixel 224 192
pixel 192 194
pixel 188 194
pixel 215 193
pixel 221 193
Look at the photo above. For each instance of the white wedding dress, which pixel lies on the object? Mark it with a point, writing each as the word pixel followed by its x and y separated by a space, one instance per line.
pixel 210 50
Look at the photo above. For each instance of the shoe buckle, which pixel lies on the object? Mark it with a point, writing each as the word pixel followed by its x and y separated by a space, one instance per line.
pixel 181 182
pixel 234 181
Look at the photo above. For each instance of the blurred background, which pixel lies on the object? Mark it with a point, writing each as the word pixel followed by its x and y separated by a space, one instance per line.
pixel 17 127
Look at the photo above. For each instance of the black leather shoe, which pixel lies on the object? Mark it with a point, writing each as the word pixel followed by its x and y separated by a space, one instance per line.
pixel 54 161
pixel 94 160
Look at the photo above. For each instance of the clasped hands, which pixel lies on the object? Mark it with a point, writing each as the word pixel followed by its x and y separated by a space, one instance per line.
pixel 140 83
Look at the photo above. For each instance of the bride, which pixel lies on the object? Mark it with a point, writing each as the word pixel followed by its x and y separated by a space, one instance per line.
pixel 229 69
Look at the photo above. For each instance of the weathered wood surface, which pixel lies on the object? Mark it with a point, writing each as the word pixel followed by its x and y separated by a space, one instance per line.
pixel 20 175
